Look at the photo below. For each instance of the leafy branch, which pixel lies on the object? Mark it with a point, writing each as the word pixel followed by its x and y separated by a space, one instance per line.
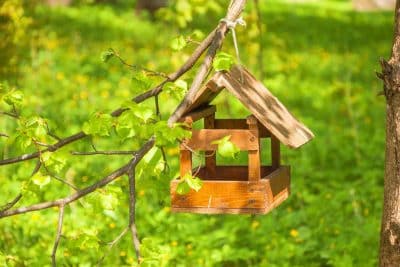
pixel 212 43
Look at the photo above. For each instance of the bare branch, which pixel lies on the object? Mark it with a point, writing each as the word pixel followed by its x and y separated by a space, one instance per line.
pixel 51 148
pixel 164 156
pixel 37 167
pixel 148 71
pixel 234 11
pixel 60 179
pixel 10 114
pixel 58 235
pixel 132 212
pixel 78 153
pixel 11 204
pixel 87 190
pixel 112 244
pixel 4 135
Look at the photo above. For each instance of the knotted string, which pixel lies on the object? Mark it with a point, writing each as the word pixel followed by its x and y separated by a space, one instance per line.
pixel 232 25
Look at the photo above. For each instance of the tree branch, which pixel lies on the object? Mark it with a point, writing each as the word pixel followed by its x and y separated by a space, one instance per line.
pixel 87 190
pixel 132 212
pixel 77 153
pixel 51 148
pixel 234 11
pixel 58 235
pixel 11 204
pixel 112 244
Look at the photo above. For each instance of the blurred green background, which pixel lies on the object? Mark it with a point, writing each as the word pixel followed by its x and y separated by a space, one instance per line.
pixel 319 59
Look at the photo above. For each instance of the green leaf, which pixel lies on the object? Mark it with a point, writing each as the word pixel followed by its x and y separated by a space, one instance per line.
pixel 40 179
pixel 14 97
pixel 226 148
pixel 98 124
pixel 223 61
pixel 109 201
pixel 144 113
pixel 193 182
pixel 177 89
pixel 106 55
pixel 183 188
pixel 178 43
pixel 141 82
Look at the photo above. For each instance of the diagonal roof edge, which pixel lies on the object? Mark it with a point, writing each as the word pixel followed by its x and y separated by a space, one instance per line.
pixel 259 101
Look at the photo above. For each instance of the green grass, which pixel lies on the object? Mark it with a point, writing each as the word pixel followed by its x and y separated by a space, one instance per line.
pixel 320 60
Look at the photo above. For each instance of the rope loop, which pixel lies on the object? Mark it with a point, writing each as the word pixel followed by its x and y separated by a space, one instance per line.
pixel 232 25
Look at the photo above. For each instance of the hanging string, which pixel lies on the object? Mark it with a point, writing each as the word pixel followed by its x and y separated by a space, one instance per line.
pixel 232 25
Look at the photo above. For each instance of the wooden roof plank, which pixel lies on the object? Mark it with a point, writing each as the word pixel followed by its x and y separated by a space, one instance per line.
pixel 259 101
pixel 265 107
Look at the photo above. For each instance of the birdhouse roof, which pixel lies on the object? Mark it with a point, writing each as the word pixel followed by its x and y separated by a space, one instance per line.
pixel 259 101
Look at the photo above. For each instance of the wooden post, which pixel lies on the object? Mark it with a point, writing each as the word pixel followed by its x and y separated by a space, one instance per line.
pixel 275 152
pixel 185 154
pixel 211 159
pixel 254 155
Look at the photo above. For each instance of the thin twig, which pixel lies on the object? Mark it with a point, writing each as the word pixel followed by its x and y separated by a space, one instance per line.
pixel 10 114
pixel 234 11
pixel 132 212
pixel 50 133
pixel 164 156
pixel 52 148
pixel 79 153
pixel 112 244
pixel 58 235
pixel 85 191
pixel 60 179
pixel 37 167
pixel 4 135
pixel 11 204
pixel 148 71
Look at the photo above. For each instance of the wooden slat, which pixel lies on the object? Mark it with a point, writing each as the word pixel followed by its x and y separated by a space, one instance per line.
pixel 198 114
pixel 202 139
pixel 240 124
pixel 265 107
pixel 230 173
pixel 211 158
pixel 236 197
pixel 185 162
pixel 254 155
pixel 275 152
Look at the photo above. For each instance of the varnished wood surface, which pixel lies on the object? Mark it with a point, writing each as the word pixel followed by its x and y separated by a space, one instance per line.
pixel 202 139
pixel 236 197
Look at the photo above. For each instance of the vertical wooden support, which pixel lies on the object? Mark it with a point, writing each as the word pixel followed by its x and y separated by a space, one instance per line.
pixel 254 155
pixel 185 154
pixel 275 152
pixel 211 159
pixel 185 162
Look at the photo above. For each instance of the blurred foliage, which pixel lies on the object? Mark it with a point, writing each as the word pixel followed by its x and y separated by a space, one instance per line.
pixel 320 60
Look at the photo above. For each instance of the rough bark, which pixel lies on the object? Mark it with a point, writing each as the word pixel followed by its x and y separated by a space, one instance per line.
pixel 390 227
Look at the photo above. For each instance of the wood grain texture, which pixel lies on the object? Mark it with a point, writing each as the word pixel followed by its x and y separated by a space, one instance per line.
pixel 185 162
pixel 202 139
pixel 254 155
pixel 240 124
pixel 271 113
pixel 275 152
pixel 198 114
pixel 235 197
pixel 211 156
pixel 265 107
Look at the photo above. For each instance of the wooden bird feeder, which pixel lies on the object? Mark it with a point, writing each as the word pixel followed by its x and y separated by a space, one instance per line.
pixel 252 189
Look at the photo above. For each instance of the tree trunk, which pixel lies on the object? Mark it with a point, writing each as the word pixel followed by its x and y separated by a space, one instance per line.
pixel 390 227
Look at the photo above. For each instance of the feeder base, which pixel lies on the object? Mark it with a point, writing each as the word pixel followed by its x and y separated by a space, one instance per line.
pixel 235 195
